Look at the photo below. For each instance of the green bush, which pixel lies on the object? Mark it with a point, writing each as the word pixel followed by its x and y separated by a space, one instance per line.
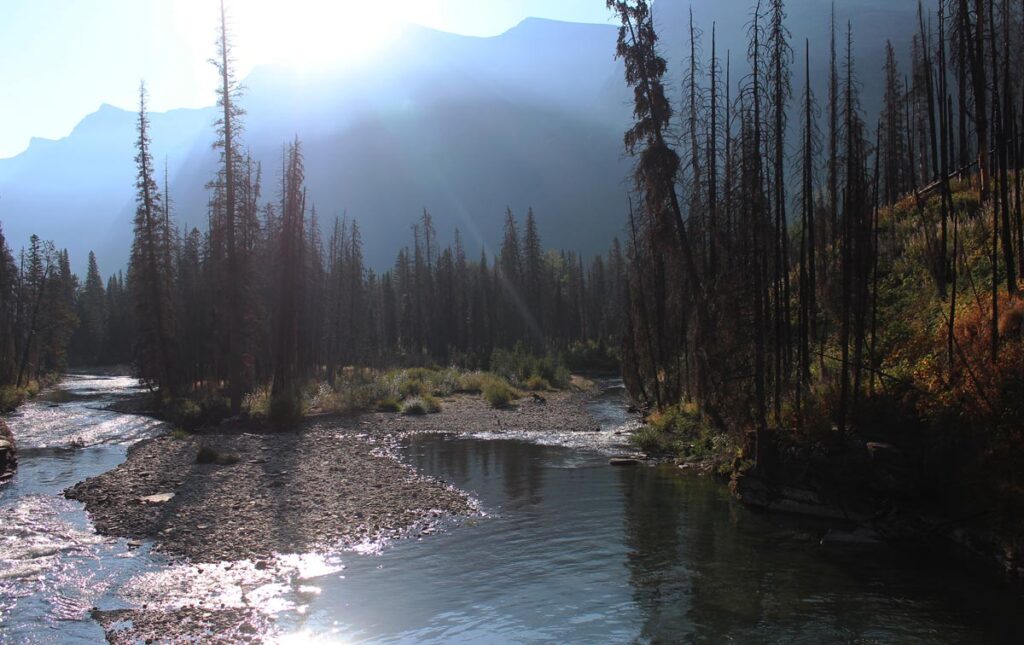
pixel 498 393
pixel 192 414
pixel 388 404
pixel 412 387
pixel 432 404
pixel 414 407
pixel 257 402
pixel 518 366
pixel 681 431
pixel 10 398
pixel 446 382
pixel 655 442
pixel 537 384
pixel 592 356
pixel 474 382
pixel 180 435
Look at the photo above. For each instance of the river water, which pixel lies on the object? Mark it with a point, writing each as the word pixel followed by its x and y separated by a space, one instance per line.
pixel 567 549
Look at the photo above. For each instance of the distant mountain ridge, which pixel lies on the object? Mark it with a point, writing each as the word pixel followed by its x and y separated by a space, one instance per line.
pixel 461 126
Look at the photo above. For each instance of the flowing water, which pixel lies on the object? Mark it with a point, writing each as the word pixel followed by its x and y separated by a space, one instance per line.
pixel 567 549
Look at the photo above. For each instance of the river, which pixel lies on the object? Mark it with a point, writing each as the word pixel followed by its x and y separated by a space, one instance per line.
pixel 566 549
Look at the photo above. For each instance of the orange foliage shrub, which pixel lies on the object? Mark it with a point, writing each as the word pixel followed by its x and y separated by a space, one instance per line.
pixel 980 389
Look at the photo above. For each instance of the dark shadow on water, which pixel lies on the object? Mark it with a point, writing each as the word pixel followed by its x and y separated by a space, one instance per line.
pixel 705 569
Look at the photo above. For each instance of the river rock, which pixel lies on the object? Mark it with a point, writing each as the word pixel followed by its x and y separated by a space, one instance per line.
pixel 624 461
pixel 159 498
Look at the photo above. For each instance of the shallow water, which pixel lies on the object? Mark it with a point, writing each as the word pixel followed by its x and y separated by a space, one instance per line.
pixel 567 549
pixel 53 566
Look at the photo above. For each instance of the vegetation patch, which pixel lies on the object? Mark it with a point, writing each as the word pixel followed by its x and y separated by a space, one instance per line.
pixel 414 407
pixel 498 393
pixel 680 431
pixel 519 366
pixel 192 414
pixel 537 384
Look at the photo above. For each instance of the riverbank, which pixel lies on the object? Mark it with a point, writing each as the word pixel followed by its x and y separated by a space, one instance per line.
pixel 862 490
pixel 219 497
pixel 11 398
pixel 333 482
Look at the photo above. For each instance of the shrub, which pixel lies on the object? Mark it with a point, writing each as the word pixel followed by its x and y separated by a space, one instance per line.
pixel 446 382
pixel 10 398
pixel 518 366
pixel 414 407
pixel 983 391
pixel 412 387
pixel 257 402
pixel 388 404
pixel 180 435
pixel 32 389
pixel 590 355
pixel 681 431
pixel 191 414
pixel 654 441
pixel 431 403
pixel 498 393
pixel 474 382
pixel 537 384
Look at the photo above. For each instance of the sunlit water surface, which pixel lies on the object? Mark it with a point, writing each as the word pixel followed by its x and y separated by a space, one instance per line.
pixel 567 549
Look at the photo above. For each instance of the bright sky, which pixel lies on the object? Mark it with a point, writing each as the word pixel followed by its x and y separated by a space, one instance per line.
pixel 61 59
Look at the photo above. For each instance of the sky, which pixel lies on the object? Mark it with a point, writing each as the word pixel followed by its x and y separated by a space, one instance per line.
pixel 61 59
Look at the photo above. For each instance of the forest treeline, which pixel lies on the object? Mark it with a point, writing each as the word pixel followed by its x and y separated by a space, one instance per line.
pixel 800 272
pixel 41 306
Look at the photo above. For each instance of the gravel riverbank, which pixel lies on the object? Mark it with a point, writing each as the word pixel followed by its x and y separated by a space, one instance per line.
pixel 334 482
pixel 285 493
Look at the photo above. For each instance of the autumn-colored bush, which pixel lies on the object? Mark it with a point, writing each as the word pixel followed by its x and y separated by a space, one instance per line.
pixel 982 387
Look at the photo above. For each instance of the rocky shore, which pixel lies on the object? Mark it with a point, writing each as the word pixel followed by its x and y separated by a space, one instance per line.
pixel 332 482
pixel 244 491
pixel 261 494
pixel 564 411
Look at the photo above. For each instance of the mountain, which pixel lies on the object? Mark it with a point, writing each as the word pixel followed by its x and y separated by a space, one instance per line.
pixel 461 126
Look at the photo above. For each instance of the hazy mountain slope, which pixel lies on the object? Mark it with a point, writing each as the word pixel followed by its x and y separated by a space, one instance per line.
pixel 462 126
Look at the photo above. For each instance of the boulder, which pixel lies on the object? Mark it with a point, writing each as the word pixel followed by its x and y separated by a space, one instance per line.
pixel 159 498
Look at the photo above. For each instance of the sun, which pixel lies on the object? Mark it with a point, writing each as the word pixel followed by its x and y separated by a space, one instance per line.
pixel 312 33
pixel 306 34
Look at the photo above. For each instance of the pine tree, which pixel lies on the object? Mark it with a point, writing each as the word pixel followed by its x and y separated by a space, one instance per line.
pixel 285 389
pixel 92 315
pixel 229 129
pixel 151 279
